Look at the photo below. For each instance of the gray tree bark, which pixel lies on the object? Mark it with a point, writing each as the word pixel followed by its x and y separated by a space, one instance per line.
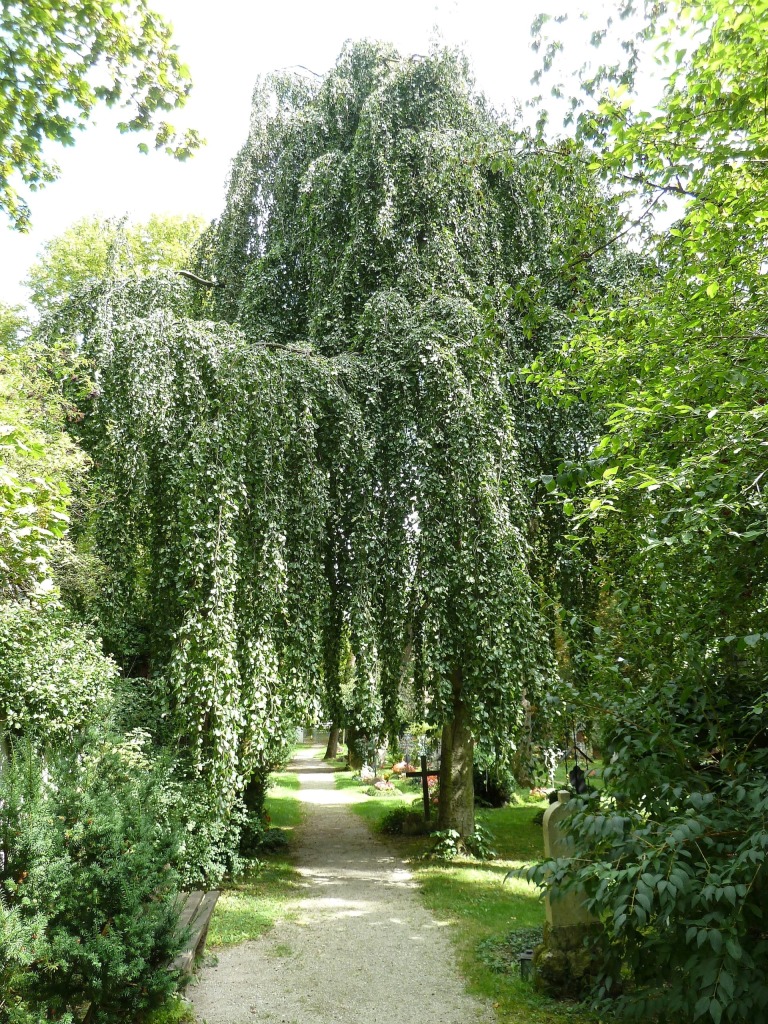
pixel 456 807
pixel 354 755
pixel 332 750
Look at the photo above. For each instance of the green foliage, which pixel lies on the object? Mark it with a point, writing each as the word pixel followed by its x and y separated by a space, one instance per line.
pixel 61 61
pixel 53 675
pixel 258 839
pixel 499 772
pixel 175 1011
pixel 398 818
pixel 18 942
pixel 450 844
pixel 222 543
pixel 676 879
pixel 88 895
pixel 38 464
pixel 13 325
pixel 93 250
pixel 310 482
pixel 33 510
pixel 668 511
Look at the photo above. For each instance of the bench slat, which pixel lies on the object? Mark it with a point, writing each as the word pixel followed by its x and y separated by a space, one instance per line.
pixel 197 912
pixel 203 920
pixel 192 901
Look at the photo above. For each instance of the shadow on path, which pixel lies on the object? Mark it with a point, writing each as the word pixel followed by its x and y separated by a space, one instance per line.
pixel 359 948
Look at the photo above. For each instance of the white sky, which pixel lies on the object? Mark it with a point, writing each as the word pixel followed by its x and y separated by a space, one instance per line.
pixel 227 44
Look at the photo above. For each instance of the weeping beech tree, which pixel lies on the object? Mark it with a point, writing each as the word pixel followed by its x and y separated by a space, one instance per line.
pixel 213 460
pixel 314 470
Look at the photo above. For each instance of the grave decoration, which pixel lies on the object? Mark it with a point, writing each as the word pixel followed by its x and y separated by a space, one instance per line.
pixel 425 774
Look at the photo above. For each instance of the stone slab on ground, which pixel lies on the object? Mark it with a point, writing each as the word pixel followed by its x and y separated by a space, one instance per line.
pixel 359 949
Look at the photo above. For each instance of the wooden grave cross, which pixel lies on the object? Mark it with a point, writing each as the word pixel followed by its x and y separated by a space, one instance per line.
pixel 423 775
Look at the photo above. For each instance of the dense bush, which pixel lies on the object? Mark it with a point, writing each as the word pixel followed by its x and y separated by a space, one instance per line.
pixel 672 857
pixel 86 883
pixel 404 820
pixel 53 675
pixel 18 946
pixel 494 786
pixel 257 838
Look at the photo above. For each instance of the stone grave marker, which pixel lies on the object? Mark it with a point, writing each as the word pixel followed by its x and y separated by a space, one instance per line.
pixel 564 963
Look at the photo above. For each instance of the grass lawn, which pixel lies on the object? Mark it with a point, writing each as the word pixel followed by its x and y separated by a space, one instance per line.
pixel 473 896
pixel 250 905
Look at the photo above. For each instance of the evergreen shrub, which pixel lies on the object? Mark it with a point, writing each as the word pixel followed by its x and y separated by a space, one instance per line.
pixel 87 887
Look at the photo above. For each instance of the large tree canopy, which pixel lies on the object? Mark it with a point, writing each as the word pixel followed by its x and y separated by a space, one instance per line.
pixel 59 60
pixel 323 465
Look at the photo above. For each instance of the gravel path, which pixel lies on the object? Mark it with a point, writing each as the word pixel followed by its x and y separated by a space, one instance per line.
pixel 360 949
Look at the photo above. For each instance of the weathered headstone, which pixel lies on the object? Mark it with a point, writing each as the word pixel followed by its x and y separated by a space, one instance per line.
pixel 566 909
pixel 563 963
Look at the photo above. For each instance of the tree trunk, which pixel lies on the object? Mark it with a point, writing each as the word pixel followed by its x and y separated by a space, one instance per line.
pixel 456 808
pixel 332 750
pixel 254 794
pixel 354 753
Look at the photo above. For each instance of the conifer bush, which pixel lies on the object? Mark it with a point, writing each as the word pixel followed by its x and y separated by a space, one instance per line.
pixel 87 883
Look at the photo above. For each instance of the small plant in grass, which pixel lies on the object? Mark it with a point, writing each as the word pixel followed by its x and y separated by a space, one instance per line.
pixel 450 844
pixel 257 838
pixel 500 953
pixel 403 820
pixel 175 1011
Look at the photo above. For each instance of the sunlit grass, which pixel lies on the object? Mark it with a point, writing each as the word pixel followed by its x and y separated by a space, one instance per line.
pixel 251 904
pixel 283 780
pixel 344 780
pixel 475 897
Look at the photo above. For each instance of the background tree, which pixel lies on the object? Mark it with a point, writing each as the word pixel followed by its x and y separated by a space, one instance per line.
pixel 93 249
pixel 674 506
pixel 60 60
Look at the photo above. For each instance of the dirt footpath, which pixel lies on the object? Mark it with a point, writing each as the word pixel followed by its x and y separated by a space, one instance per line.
pixel 361 948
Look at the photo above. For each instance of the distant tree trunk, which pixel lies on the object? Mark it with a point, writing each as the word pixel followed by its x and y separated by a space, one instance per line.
pixel 354 753
pixel 254 794
pixel 5 746
pixel 456 808
pixel 332 750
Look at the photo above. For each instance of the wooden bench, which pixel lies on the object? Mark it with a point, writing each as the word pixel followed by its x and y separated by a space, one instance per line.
pixel 196 910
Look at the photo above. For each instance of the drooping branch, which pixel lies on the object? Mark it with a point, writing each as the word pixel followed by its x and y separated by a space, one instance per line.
pixel 200 280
